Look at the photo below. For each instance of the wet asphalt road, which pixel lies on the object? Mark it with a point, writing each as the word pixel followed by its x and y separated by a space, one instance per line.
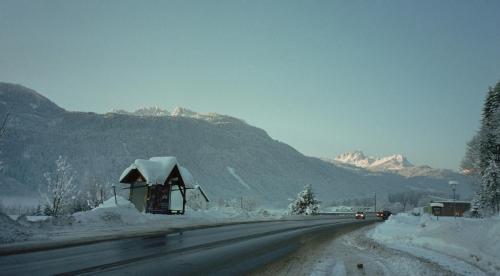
pixel 231 249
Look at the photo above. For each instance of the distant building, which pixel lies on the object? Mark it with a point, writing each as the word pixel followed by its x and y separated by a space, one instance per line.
pixel 450 208
pixel 160 185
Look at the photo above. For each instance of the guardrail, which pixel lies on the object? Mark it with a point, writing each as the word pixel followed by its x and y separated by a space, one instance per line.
pixel 346 214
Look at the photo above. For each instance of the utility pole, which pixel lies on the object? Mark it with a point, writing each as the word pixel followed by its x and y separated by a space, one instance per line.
pixel 374 201
pixel 114 192
pixel 453 185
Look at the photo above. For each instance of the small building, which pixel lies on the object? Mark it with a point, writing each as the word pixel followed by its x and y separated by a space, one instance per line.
pixel 159 185
pixel 450 208
pixel 197 199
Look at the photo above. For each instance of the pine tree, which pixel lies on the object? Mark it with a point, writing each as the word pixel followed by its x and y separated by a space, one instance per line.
pixel 483 153
pixel 305 204
pixel 489 126
pixel 471 162
pixel 475 206
pixel 482 146
pixel 490 192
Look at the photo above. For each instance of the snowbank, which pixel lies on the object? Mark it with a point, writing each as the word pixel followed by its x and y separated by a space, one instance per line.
pixel 124 213
pixel 476 242
pixel 111 203
pixel 12 231
pixel 112 219
pixel 111 213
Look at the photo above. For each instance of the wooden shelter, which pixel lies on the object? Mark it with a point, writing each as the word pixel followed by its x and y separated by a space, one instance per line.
pixel 158 185
pixel 450 208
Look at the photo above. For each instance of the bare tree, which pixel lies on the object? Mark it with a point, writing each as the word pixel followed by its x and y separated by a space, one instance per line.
pixel 60 189
pixel 96 192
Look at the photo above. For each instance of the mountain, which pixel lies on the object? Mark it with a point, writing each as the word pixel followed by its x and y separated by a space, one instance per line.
pixel 356 158
pixel 228 157
pixel 390 163
pixel 397 163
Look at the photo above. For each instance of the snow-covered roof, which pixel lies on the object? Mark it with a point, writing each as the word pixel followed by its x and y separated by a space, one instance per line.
pixel 157 169
pixel 187 177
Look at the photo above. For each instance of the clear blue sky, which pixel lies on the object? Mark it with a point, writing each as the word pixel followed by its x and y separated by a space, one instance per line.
pixel 323 76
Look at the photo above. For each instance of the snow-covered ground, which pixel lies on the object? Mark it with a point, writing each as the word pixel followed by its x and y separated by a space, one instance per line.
pixel 403 245
pixel 463 245
pixel 109 220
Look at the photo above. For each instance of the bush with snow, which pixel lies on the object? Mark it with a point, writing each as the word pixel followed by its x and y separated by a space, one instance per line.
pixel 12 231
pixel 305 204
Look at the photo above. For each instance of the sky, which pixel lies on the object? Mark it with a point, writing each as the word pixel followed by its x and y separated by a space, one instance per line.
pixel 325 77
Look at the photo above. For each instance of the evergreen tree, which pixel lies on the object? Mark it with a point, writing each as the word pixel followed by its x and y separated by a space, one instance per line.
pixel 489 126
pixel 305 204
pixel 470 162
pixel 490 192
pixel 483 153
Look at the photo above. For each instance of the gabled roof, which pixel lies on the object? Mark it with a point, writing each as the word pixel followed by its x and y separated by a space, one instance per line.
pixel 187 177
pixel 157 169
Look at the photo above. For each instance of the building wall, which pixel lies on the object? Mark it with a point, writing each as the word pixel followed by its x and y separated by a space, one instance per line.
pixel 138 196
pixel 449 211
pixel 195 200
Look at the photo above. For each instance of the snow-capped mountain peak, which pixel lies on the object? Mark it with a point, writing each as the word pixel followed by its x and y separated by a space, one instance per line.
pixel 359 159
pixel 356 158
pixel 393 162
pixel 153 111
pixel 178 112
pixel 184 112
pixel 211 116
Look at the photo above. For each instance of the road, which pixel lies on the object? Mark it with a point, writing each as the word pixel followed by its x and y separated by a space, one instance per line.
pixel 341 256
pixel 231 249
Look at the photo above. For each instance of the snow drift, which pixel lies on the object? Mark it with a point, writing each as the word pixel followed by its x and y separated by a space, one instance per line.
pixel 473 241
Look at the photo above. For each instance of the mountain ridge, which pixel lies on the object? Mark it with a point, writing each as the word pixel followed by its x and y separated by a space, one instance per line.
pixel 101 146
pixel 396 163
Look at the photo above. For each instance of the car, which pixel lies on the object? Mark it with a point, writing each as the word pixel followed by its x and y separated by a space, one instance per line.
pixel 386 214
pixel 360 215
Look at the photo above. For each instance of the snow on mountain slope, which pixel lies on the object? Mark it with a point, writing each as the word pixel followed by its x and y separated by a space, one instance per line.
pixel 241 181
pixel 179 112
pixel 212 116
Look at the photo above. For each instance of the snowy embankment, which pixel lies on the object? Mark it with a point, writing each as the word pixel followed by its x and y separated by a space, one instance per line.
pixel 463 245
pixel 110 220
